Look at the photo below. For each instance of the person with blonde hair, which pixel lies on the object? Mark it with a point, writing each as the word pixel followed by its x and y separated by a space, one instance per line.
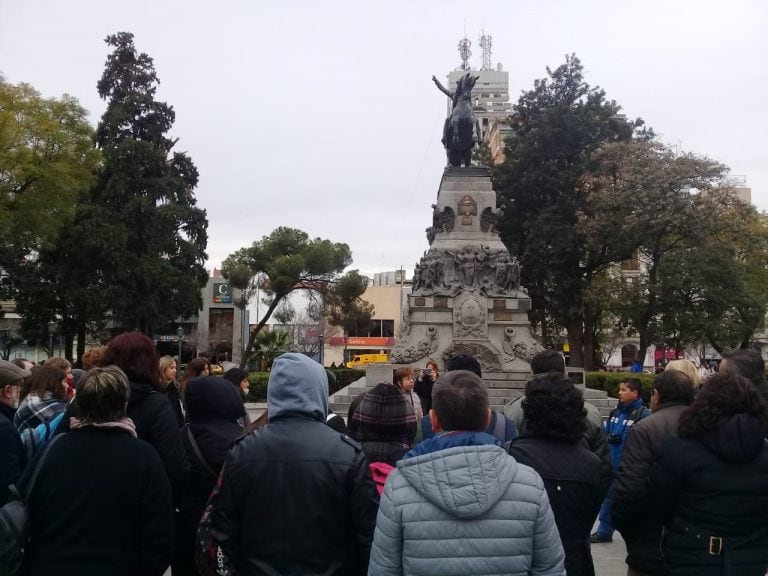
pixel 79 524
pixel 687 368
pixel 170 387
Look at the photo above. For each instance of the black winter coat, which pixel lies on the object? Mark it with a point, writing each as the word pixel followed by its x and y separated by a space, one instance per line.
pixel 712 494
pixel 641 532
pixel 423 388
pixel 213 410
pixel 13 457
pixel 295 497
pixel 101 505
pixel 156 424
pixel 571 475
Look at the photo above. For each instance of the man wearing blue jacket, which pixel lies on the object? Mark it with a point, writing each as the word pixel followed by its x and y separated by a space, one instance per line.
pixel 459 504
pixel 621 420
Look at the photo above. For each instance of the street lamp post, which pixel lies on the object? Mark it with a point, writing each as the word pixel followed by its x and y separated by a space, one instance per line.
pixel 180 334
pixel 346 336
pixel 51 326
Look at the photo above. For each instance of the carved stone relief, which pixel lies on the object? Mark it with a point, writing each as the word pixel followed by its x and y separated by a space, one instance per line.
pixel 492 272
pixel 488 359
pixel 442 221
pixel 404 354
pixel 467 208
pixel 489 220
pixel 524 351
pixel 470 317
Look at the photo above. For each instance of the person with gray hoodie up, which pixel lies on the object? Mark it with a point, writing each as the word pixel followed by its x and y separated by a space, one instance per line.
pixel 293 497
pixel 459 504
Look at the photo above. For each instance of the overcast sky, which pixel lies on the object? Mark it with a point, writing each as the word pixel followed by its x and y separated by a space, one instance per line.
pixel 322 115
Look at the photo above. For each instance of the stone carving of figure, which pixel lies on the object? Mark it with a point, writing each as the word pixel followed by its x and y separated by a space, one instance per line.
pixel 461 129
pixel 513 275
pixel 465 264
pixel 428 276
pixel 416 282
pixel 507 273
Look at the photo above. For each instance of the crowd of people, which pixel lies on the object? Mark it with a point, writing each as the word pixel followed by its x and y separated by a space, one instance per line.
pixel 127 471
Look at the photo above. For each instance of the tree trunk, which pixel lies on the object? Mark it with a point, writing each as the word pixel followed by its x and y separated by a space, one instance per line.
pixel 80 344
pixel 575 331
pixel 68 336
pixel 588 343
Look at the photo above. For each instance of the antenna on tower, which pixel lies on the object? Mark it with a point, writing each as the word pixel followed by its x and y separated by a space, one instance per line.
pixel 485 44
pixel 465 52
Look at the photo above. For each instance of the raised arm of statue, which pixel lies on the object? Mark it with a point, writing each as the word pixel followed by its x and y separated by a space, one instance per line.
pixel 442 88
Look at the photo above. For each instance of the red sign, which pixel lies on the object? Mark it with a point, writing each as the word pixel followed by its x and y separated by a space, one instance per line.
pixel 362 341
pixel 667 354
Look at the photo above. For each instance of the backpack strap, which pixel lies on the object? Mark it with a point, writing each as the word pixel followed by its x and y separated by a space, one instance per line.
pixel 198 453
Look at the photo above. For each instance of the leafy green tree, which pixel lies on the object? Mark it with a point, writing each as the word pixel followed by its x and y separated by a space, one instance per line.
pixel 554 130
pixel 345 308
pixel 154 270
pixel 282 262
pixel 47 159
pixel 664 218
pixel 714 291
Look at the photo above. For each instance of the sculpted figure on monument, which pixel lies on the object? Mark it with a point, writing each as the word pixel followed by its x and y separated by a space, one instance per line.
pixel 465 265
pixel 461 129
pixel 507 272
pixel 416 282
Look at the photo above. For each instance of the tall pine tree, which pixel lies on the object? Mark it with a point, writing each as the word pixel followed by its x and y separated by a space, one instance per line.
pixel 153 270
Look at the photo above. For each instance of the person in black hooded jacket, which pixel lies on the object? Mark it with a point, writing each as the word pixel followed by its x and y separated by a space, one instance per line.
pixel 710 484
pixel 214 411
pixel 294 497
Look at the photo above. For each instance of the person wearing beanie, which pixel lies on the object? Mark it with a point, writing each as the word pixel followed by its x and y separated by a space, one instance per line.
pixel 294 497
pixel 385 425
pixel 13 458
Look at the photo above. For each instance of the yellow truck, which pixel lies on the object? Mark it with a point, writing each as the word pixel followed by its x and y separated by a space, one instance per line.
pixel 365 359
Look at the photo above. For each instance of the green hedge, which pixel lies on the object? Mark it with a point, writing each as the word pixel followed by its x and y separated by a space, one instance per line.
pixel 609 381
pixel 257 382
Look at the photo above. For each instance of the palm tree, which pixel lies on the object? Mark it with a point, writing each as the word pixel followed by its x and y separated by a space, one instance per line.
pixel 269 345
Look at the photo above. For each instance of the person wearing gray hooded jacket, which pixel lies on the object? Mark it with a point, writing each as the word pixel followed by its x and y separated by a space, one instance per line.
pixel 459 504
pixel 294 497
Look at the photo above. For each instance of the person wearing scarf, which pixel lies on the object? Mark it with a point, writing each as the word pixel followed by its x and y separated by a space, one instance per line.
pixel 101 502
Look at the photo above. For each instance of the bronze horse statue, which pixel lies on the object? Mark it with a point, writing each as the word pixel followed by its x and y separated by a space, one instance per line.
pixel 461 130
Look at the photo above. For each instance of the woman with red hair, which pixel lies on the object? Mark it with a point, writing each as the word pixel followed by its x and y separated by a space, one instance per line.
pixel 155 422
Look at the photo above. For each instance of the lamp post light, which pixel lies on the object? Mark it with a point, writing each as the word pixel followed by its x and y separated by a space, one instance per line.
pixel 180 334
pixel 346 336
pixel 51 326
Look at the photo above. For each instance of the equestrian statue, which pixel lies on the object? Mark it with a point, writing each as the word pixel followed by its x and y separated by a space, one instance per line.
pixel 461 129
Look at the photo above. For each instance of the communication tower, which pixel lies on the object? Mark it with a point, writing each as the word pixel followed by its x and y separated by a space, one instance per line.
pixel 485 44
pixel 465 52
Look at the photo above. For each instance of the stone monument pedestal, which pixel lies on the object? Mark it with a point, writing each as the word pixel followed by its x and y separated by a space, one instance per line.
pixel 466 296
